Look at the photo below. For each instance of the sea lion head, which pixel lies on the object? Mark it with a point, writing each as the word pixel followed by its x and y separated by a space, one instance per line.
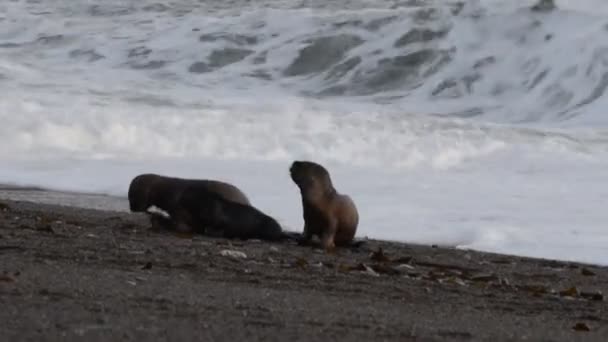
pixel 310 177
pixel 139 192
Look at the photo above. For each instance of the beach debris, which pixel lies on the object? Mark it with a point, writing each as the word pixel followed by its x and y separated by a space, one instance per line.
pixel 188 266
pixel 45 228
pixel 404 260
pixel 6 278
pixel 93 236
pixel 402 266
pixel 535 290
pixel 484 278
pixel 455 280
pixel 233 254
pixel 587 272
pixel 595 296
pixel 386 269
pixel 147 266
pixel 369 271
pixel 504 282
pixel 414 275
pixel 4 206
pixel 131 282
pixel 301 263
pixel 348 268
pixel 581 327
pixel 44 224
pixel 379 256
pixel 274 249
pixel 10 247
pixel 571 292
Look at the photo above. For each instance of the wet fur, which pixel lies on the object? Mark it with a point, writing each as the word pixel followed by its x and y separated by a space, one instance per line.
pixel 329 215
pixel 148 190
pixel 208 213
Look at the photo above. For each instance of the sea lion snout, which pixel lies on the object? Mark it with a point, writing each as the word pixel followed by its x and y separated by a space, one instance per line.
pixel 300 172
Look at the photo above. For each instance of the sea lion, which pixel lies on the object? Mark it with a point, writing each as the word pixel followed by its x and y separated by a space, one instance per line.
pixel 149 189
pixel 331 216
pixel 207 212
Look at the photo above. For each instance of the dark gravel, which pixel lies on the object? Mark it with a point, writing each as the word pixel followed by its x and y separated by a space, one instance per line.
pixel 77 274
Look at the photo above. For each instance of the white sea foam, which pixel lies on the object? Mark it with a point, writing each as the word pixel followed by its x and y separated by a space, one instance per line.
pixel 488 131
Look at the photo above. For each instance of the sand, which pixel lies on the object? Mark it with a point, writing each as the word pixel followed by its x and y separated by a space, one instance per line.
pixel 68 273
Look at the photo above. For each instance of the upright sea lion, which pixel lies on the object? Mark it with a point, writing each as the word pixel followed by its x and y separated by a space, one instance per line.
pixel 207 212
pixel 331 216
pixel 148 190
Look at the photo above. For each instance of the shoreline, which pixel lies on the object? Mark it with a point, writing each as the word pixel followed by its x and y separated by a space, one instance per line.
pixel 112 203
pixel 73 273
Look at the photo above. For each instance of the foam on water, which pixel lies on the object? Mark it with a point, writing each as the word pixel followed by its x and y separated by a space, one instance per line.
pixel 480 126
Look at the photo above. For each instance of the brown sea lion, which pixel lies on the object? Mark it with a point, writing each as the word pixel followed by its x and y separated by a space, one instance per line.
pixel 149 189
pixel 331 216
pixel 207 212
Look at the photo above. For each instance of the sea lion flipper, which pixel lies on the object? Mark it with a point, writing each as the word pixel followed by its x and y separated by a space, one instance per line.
pixel 327 237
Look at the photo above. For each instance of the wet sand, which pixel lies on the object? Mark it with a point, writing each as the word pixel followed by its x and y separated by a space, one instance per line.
pixel 69 273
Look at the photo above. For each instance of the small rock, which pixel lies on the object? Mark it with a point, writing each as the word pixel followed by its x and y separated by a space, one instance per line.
pixel 274 249
pixel 571 292
pixel 370 271
pixel 233 254
pixel 597 296
pixel 581 327
pixel 130 282
pixel 6 278
pixel 544 6
pixel 402 266
pixel 587 272
pixel 147 266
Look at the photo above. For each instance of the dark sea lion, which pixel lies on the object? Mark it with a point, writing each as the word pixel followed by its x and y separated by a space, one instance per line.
pixel 206 212
pixel 149 189
pixel 331 216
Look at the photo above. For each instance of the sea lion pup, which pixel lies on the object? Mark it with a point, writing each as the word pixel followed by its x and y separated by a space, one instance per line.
pixel 331 216
pixel 149 189
pixel 208 213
